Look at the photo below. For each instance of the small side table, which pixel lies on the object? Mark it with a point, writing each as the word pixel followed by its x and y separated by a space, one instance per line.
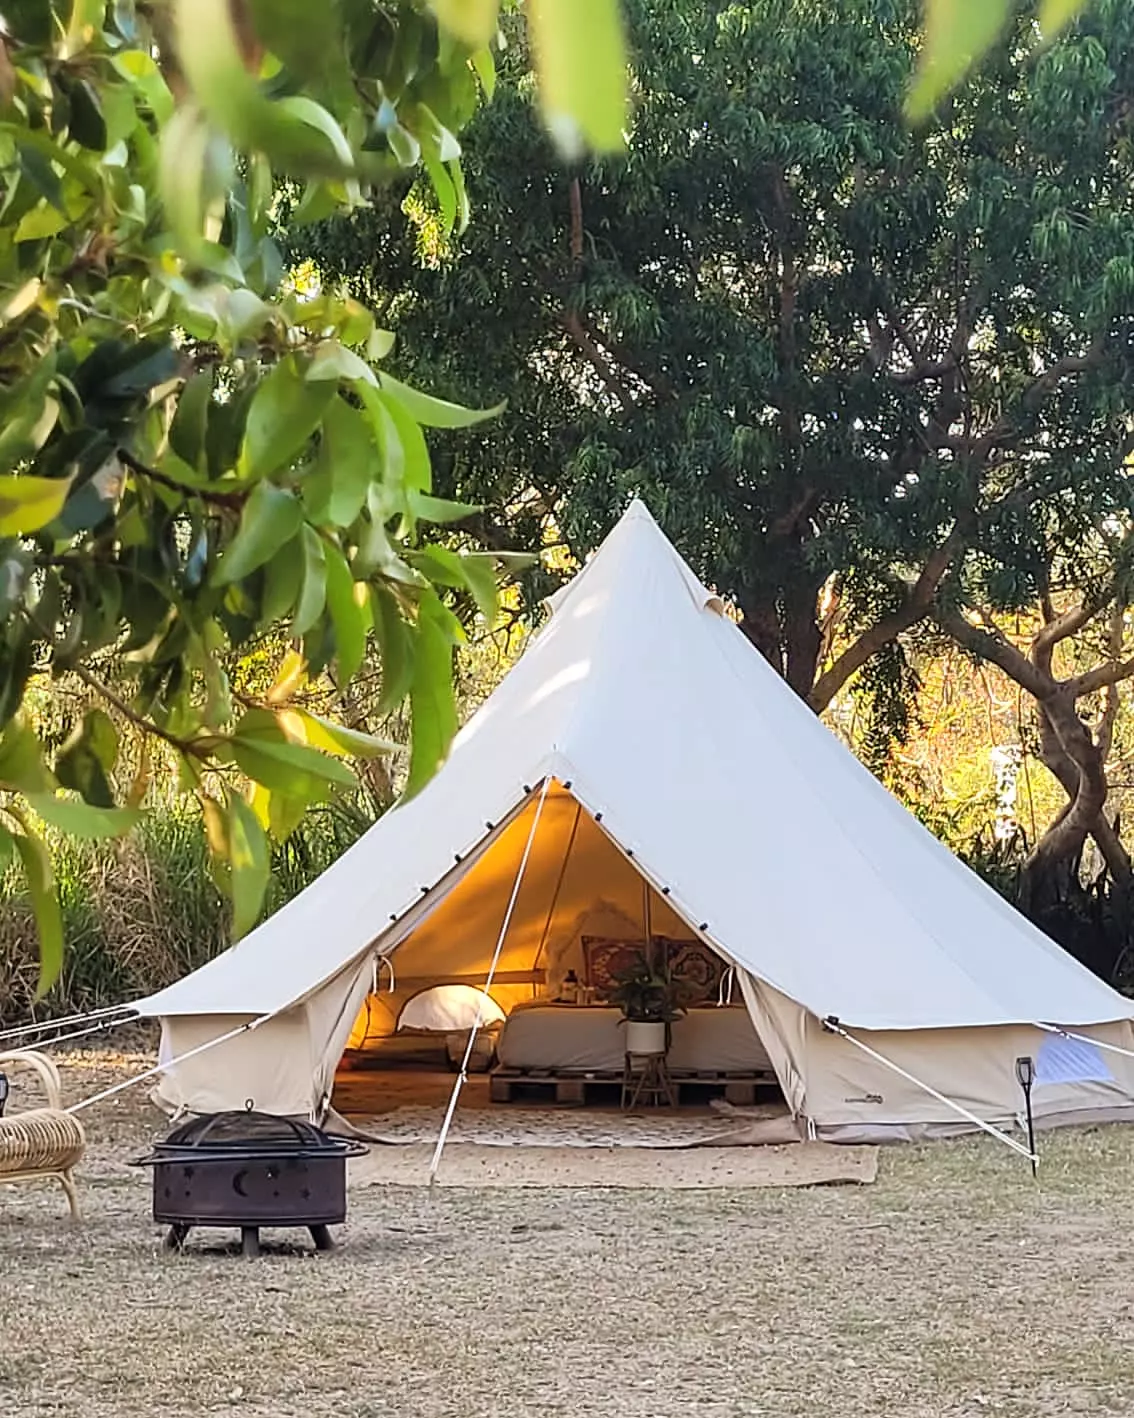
pixel 646 1079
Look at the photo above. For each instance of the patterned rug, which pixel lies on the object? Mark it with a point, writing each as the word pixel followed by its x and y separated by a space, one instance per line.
pixel 511 1126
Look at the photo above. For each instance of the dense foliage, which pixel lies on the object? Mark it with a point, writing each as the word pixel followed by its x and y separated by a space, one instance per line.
pixel 865 374
pixel 197 458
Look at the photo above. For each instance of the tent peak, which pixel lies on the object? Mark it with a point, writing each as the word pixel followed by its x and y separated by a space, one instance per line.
pixel 638 527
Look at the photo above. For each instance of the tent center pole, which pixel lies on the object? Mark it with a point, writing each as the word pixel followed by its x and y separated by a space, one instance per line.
pixel 479 1018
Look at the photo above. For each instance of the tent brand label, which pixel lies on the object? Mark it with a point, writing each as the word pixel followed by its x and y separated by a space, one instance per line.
pixel 866 1098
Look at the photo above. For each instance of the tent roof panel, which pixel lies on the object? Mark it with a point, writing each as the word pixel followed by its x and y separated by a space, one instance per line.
pixel 727 789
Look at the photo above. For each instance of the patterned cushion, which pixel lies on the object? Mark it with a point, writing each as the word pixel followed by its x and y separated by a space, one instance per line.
pixel 604 960
pixel 693 966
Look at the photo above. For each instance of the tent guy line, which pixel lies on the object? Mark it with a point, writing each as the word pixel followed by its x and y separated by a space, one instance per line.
pixel 1085 1039
pixel 507 921
pixel 46 1025
pixel 168 1064
pixel 833 1025
pixel 102 1026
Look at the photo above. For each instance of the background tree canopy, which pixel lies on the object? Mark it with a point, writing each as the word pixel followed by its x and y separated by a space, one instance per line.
pixel 867 375
pixel 199 461
pixel 204 466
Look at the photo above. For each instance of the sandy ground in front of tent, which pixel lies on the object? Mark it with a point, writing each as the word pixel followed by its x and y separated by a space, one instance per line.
pixel 952 1286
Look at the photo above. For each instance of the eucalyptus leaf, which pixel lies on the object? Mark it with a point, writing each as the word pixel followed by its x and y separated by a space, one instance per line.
pixel 249 865
pixel 285 411
pixel 40 881
pixel 271 518
pixel 431 695
pixel 349 614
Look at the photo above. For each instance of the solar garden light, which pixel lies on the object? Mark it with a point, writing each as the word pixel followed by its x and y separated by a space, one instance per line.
pixel 1025 1077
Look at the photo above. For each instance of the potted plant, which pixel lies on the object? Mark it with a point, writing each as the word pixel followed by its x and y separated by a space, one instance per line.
pixel 649 1003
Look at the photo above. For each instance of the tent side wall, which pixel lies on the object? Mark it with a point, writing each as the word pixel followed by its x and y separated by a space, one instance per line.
pixel 272 1064
pixel 851 1097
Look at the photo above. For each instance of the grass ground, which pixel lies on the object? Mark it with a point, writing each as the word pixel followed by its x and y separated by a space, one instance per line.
pixel 953 1286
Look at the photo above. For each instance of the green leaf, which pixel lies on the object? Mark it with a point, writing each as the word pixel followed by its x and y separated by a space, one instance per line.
pixel 450 568
pixel 142 73
pixel 1055 15
pixel 191 421
pixel 282 580
pixel 485 67
pixel 284 413
pixel 348 458
pixel 432 703
pixel 313 593
pixel 28 503
pixel 45 904
pixel 195 170
pixel 88 758
pixel 439 510
pixel 435 413
pixel 472 21
pixel 296 133
pixel 21 760
pixel 249 864
pixel 80 819
pixel 290 768
pixel 480 577
pixel 85 25
pixel 394 638
pixel 405 454
pixel 271 518
pixel 335 361
pixel 329 737
pixel 39 222
pixel 444 191
pixel 580 53
pixel 957 35
pixel 350 619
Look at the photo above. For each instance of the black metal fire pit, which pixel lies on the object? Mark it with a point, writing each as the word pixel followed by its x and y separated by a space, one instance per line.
pixel 249 1170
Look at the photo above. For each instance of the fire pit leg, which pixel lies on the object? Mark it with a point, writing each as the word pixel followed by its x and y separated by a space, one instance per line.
pixel 175 1236
pixel 250 1240
pixel 322 1237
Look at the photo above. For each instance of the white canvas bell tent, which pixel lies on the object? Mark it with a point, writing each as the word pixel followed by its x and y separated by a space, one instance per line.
pixel 641 745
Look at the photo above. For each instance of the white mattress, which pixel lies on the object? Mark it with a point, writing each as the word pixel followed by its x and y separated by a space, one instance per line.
pixel 573 1039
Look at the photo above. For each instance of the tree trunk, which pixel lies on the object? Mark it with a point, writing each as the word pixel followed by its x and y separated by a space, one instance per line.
pixel 1077 761
pixel 760 621
pixel 1061 766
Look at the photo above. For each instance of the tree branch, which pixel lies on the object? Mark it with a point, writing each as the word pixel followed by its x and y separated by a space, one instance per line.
pixel 1101 677
pixel 598 361
pixel 233 501
pixel 992 646
pixel 138 720
pixel 917 605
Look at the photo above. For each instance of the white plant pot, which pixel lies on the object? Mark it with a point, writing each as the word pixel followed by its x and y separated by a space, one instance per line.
pixel 645 1037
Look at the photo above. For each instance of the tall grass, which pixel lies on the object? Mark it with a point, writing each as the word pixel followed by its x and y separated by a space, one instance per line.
pixel 140 912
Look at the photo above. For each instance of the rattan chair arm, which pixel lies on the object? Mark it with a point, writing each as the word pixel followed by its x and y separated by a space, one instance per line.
pixel 43 1066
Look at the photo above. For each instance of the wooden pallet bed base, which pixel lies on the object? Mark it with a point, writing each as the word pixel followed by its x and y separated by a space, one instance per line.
pixel 508 1085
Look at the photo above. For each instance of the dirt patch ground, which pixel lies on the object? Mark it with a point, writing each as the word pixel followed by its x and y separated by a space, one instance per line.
pixel 953 1286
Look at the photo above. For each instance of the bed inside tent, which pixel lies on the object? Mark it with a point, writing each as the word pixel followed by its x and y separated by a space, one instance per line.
pixel 583 913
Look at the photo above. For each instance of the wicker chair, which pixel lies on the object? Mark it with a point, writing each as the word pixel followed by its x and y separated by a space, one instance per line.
pixel 42 1142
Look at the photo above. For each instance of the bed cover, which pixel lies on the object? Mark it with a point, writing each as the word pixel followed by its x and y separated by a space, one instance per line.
pixel 592 1039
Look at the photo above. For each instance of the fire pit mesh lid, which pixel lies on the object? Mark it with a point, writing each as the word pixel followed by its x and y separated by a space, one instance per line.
pixel 241 1130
